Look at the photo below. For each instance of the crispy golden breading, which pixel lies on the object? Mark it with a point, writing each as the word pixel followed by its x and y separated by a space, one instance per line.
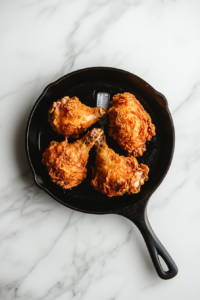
pixel 115 175
pixel 130 124
pixel 70 117
pixel 66 163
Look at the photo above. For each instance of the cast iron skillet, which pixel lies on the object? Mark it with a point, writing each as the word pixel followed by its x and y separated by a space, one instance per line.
pixel 85 84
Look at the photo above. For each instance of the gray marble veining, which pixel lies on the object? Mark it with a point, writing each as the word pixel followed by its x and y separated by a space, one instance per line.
pixel 50 252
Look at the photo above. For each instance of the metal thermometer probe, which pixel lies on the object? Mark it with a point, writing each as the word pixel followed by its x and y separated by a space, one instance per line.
pixel 103 99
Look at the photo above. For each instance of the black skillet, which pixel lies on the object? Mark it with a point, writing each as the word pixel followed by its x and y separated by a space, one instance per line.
pixel 85 84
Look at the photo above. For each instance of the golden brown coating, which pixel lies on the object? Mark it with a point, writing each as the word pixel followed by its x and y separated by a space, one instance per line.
pixel 70 117
pixel 115 175
pixel 130 124
pixel 66 163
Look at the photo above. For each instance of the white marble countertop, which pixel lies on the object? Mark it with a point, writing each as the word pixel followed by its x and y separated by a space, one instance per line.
pixel 48 251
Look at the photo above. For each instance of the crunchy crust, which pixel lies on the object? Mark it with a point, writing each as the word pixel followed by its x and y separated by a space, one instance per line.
pixel 130 124
pixel 115 175
pixel 66 163
pixel 70 117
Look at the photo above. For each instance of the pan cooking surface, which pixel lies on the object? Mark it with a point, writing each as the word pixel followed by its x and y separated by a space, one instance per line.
pixel 87 95
pixel 84 197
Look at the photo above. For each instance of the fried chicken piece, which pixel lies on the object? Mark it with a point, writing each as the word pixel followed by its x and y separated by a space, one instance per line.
pixel 115 175
pixel 130 124
pixel 70 117
pixel 66 163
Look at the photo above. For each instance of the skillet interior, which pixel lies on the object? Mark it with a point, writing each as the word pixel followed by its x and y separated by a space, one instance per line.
pixel 85 84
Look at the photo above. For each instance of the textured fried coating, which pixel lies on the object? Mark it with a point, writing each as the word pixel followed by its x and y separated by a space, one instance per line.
pixel 70 117
pixel 130 125
pixel 115 175
pixel 66 163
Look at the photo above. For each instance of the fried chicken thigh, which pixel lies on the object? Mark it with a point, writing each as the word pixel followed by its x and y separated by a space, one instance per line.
pixel 115 175
pixel 70 117
pixel 130 124
pixel 66 163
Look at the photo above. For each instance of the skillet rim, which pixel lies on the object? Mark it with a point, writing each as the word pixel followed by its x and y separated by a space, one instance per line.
pixel 35 177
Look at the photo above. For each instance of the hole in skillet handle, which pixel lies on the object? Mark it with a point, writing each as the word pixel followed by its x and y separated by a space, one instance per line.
pixel 163 264
pixel 137 213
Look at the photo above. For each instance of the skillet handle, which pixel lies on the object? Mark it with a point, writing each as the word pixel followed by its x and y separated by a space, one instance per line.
pixel 137 213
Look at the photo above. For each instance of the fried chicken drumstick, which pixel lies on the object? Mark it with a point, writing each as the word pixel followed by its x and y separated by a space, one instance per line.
pixel 70 117
pixel 130 124
pixel 66 163
pixel 115 175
